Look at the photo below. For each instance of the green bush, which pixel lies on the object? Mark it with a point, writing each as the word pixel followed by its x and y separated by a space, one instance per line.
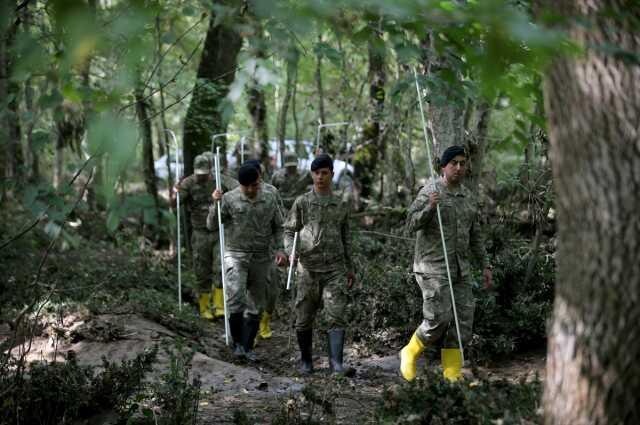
pixel 432 400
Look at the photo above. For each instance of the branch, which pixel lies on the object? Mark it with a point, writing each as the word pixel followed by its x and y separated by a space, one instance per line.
pixel 44 213
pixel 162 56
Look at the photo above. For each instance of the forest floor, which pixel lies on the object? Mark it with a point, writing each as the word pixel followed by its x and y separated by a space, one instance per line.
pixel 96 314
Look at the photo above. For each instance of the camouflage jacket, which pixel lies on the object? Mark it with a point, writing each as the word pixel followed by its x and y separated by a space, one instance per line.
pixel 291 187
pixel 197 198
pixel 460 220
pixel 251 225
pixel 324 239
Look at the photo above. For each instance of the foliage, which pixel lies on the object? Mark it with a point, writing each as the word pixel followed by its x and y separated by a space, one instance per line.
pixel 60 393
pixel 432 400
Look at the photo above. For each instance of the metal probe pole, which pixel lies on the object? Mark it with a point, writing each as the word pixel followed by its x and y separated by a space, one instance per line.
pixel 175 145
pixel 293 256
pixel 444 245
pixel 221 233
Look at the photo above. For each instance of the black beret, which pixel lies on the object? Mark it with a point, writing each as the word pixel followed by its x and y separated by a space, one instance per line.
pixel 247 174
pixel 255 163
pixel 450 153
pixel 322 161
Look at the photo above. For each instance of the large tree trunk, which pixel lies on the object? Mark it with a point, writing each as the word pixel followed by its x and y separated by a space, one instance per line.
pixel 216 72
pixel 14 158
pixel 6 10
pixel 593 106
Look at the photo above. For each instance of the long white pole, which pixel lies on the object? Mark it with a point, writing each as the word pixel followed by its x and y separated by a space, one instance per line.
pixel 444 245
pixel 175 147
pixel 221 233
pixel 321 126
pixel 292 259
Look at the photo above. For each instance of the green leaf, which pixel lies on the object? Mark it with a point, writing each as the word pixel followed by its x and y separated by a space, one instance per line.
pixel 70 93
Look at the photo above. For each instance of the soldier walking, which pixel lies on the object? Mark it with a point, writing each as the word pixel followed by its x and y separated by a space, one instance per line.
pixel 253 225
pixel 195 191
pixel 463 238
pixel 290 182
pixel 325 269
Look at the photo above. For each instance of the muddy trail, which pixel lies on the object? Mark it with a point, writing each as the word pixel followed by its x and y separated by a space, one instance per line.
pixel 113 300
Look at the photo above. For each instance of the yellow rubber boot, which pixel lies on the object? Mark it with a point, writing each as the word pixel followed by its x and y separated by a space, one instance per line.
pixel 451 363
pixel 265 330
pixel 218 303
pixel 409 357
pixel 204 303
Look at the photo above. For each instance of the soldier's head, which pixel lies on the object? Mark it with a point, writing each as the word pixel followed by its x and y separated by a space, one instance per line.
pixel 291 163
pixel 211 157
pixel 255 163
pixel 453 163
pixel 322 173
pixel 249 180
pixel 201 168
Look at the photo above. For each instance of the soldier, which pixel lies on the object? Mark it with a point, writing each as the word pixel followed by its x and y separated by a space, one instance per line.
pixel 195 191
pixel 290 182
pixel 273 288
pixel 460 222
pixel 253 225
pixel 325 269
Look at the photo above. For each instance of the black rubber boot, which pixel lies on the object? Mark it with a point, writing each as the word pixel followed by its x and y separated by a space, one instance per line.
pixel 236 324
pixel 305 342
pixel 336 346
pixel 250 330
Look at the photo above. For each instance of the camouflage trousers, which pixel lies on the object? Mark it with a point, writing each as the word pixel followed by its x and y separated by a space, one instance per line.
pixel 438 322
pixel 273 288
pixel 326 291
pixel 247 277
pixel 206 259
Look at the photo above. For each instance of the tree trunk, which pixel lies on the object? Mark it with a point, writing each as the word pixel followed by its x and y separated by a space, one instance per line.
pixel 446 117
pixel 147 151
pixel 593 107
pixel 216 72
pixel 477 145
pixel 371 148
pixel 15 159
pixel 292 68
pixel 257 107
pixel 6 10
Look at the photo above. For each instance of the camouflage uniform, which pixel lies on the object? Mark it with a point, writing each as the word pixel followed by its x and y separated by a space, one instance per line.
pixel 252 228
pixel 324 252
pixel 204 241
pixel 291 186
pixel 459 211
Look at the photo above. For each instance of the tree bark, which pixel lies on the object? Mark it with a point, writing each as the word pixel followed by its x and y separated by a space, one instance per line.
pixel 292 68
pixel 148 170
pixel 14 158
pixel 593 107
pixel 216 72
pixel 322 117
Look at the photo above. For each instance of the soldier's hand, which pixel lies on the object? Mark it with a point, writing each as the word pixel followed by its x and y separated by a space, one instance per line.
pixel 216 195
pixel 434 198
pixel 487 276
pixel 281 259
pixel 176 188
pixel 351 277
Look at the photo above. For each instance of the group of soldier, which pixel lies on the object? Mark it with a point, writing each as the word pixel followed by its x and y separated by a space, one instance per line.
pixel 299 220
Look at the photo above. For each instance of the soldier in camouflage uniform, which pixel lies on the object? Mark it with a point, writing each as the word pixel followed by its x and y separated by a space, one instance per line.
pixel 290 182
pixel 273 283
pixel 195 192
pixel 253 225
pixel 325 269
pixel 460 222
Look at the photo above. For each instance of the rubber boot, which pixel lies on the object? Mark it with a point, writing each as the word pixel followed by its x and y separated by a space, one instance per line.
pixel 250 330
pixel 409 357
pixel 336 345
pixel 305 342
pixel 236 325
pixel 451 364
pixel 218 303
pixel 204 302
pixel 265 330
